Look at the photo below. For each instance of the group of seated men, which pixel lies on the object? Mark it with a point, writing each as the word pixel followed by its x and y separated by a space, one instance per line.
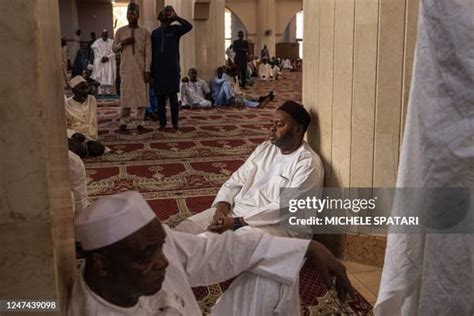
pixel 137 266
pixel 226 91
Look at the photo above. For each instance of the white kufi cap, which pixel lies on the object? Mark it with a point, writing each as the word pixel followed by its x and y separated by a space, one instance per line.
pixel 112 218
pixel 77 80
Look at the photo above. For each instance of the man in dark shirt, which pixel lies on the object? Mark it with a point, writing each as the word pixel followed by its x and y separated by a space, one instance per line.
pixel 241 49
pixel 165 69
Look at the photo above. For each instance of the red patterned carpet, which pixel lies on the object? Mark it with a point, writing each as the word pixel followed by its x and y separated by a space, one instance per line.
pixel 179 173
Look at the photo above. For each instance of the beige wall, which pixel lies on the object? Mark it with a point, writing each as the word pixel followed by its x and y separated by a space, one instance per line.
pixel 356 75
pixel 37 252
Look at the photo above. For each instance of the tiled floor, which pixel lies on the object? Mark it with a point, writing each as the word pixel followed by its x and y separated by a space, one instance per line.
pixel 365 279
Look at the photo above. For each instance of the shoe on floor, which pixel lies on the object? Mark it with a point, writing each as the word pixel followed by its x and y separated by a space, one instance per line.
pixel 123 128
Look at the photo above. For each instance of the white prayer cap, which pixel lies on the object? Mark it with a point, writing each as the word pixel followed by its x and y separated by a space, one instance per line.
pixel 112 218
pixel 77 80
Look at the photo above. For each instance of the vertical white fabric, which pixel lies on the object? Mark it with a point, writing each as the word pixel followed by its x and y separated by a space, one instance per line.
pixel 428 274
pixel 77 173
pixel 104 72
pixel 82 117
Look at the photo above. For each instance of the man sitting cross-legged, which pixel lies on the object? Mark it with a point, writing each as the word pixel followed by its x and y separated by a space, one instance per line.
pixel 252 194
pixel 137 266
pixel 194 92
pixel 81 109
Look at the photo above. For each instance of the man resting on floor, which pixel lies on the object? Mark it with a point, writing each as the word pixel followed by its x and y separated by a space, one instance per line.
pixel 252 194
pixel 137 266
pixel 195 92
pixel 81 109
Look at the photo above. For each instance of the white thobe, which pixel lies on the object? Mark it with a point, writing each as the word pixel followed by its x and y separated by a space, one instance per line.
pixel 433 274
pixel 77 173
pixel 268 284
pixel 194 93
pixel 253 191
pixel 264 71
pixel 104 72
pixel 82 117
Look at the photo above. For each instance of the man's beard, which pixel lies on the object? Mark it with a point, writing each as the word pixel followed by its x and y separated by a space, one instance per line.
pixel 284 140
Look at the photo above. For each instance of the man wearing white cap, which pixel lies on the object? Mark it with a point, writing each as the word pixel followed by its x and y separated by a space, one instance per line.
pixel 137 266
pixel 104 61
pixel 81 109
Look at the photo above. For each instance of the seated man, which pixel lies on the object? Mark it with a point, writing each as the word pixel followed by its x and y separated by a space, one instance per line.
pixel 81 109
pixel 264 70
pixel 194 92
pixel 226 91
pixel 252 194
pixel 137 266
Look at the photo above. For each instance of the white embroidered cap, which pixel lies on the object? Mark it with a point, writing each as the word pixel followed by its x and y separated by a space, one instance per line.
pixel 111 219
pixel 77 80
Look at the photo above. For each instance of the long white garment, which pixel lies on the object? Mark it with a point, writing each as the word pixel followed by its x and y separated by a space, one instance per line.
pixel 254 189
pixel 194 93
pixel 77 173
pixel 135 60
pixel 428 274
pixel 104 72
pixel 264 71
pixel 82 117
pixel 272 266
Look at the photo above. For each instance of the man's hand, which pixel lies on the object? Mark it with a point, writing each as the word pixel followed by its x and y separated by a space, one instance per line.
pixel 170 13
pixel 128 41
pixel 225 224
pixel 147 76
pixel 329 267
pixel 222 210
pixel 105 59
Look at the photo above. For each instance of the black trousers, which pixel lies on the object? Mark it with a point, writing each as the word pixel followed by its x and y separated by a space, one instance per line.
pixel 243 76
pixel 174 107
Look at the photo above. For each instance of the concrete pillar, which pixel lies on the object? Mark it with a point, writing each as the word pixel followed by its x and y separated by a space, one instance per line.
pixel 149 10
pixel 36 230
pixel 69 19
pixel 203 47
pixel 358 57
pixel 266 26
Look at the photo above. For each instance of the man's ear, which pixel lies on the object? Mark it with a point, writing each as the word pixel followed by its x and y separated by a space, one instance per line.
pixel 300 129
pixel 100 264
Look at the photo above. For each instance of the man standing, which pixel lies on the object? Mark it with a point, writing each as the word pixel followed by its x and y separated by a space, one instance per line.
pixel 241 49
pixel 165 67
pixel 104 62
pixel 252 194
pixel 194 92
pixel 133 41
pixel 137 266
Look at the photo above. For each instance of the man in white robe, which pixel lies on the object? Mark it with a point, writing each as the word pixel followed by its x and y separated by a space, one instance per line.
pixel 137 266
pixel 433 273
pixel 252 194
pixel 134 43
pixel 77 174
pixel 81 109
pixel 194 92
pixel 104 62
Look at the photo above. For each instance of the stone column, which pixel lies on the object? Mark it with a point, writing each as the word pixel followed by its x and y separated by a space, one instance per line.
pixel 266 26
pixel 36 218
pixel 203 47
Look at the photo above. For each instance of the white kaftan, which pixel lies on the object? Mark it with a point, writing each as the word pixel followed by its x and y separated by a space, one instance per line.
pixel 253 191
pixel 77 173
pixel 433 274
pixel 194 94
pixel 267 286
pixel 104 72
pixel 135 60
pixel 82 117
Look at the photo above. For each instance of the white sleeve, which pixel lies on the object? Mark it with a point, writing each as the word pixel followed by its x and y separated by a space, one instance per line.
pixel 215 258
pixel 77 173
